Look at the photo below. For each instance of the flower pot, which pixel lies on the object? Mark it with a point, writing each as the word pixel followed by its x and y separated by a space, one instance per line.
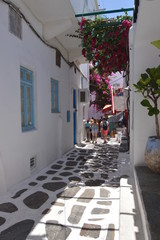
pixel 152 154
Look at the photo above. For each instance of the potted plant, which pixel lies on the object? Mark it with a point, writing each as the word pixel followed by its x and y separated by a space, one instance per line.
pixel 149 86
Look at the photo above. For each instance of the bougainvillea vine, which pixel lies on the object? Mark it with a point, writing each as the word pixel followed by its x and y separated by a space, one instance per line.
pixel 101 87
pixel 105 43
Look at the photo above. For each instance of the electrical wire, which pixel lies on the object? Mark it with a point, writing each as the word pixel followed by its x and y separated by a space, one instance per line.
pixel 18 11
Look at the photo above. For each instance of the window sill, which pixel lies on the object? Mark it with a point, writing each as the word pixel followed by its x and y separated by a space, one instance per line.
pixel 29 129
pixel 55 112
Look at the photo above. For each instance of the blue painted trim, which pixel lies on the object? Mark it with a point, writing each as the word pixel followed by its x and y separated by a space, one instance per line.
pixel 27 83
pixel 68 116
pixel 74 98
pixel 74 118
pixel 75 127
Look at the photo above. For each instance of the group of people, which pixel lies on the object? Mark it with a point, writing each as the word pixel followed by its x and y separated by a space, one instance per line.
pixel 93 127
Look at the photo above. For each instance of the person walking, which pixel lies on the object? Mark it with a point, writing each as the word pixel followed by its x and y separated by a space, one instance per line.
pixel 94 131
pixel 87 127
pixel 104 128
pixel 124 130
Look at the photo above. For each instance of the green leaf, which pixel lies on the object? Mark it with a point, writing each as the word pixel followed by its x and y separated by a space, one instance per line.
pixel 153 111
pixel 151 72
pixel 146 103
pixel 146 81
pixel 144 76
pixel 156 43
pixel 157 73
pixel 158 82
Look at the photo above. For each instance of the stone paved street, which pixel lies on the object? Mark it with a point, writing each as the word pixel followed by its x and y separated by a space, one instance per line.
pixel 76 197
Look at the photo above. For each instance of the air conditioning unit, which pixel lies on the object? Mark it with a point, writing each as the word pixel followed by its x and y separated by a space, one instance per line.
pixel 83 95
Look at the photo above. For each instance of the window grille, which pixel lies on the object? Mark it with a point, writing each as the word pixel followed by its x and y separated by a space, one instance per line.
pixel 83 95
pixel 32 163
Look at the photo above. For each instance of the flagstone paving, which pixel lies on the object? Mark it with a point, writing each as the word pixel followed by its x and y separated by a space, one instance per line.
pixel 76 197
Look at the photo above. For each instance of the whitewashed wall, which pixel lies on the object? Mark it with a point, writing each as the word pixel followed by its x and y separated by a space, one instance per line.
pixel 53 136
pixel 86 6
pixel 142 56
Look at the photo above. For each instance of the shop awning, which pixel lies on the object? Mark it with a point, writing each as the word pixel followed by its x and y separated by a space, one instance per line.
pixel 116 118
pixel 107 108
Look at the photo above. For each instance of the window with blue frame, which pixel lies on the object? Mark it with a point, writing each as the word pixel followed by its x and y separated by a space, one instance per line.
pixel 68 116
pixel 54 96
pixel 27 110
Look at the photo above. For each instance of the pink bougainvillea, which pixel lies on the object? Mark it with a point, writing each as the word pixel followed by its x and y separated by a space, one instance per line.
pixel 101 87
pixel 105 43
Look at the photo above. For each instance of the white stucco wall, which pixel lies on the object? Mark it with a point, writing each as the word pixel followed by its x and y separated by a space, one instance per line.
pixel 86 6
pixel 52 136
pixel 142 56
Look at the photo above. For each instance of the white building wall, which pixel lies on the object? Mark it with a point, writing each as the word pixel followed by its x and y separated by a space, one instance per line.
pixel 52 136
pixel 142 56
pixel 82 108
pixel 86 6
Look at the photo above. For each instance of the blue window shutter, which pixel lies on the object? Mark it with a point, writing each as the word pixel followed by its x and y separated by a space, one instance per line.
pixel 74 98
pixel 68 116
pixel 32 105
pixel 27 106
pixel 22 105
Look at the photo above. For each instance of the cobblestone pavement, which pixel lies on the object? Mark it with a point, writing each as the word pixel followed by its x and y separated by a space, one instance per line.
pixel 76 197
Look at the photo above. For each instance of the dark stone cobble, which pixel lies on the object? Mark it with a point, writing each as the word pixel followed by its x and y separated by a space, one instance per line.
pixel 2 220
pixel 36 200
pixel 18 231
pixel 41 178
pixel 32 184
pixel 8 207
pixel 19 193
pixel 56 166
pixel 76 178
pixel 51 172
pixel 51 186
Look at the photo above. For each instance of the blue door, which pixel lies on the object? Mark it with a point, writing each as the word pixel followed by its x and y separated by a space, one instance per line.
pixel 74 117
pixel 74 127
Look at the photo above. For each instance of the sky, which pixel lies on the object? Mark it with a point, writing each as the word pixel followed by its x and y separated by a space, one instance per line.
pixel 115 4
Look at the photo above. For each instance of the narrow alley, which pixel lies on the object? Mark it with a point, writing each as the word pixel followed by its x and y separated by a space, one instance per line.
pixel 77 196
